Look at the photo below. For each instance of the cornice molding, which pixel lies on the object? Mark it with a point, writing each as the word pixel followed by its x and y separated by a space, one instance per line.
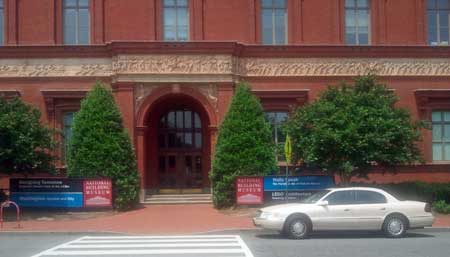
pixel 226 62
pixel 228 47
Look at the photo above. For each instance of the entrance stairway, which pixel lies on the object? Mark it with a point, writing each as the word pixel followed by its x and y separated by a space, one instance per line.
pixel 178 199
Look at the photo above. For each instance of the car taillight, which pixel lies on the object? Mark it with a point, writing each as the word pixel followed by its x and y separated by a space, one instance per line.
pixel 427 207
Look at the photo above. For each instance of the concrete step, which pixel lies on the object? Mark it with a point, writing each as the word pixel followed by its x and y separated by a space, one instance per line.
pixel 179 196
pixel 177 202
pixel 178 199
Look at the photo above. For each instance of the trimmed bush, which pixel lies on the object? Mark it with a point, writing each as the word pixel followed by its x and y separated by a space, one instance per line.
pixel 100 147
pixel 417 191
pixel 351 128
pixel 441 207
pixel 25 144
pixel 244 146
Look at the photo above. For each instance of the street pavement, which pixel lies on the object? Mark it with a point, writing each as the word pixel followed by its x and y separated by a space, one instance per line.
pixel 245 243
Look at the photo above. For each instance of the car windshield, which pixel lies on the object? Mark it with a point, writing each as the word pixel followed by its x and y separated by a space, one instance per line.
pixel 315 196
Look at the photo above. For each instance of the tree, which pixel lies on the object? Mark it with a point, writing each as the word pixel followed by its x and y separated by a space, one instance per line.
pixel 351 129
pixel 244 146
pixel 25 144
pixel 100 147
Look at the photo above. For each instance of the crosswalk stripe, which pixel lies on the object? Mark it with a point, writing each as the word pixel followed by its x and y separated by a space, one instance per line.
pixel 123 252
pixel 156 237
pixel 147 245
pixel 156 241
pixel 204 245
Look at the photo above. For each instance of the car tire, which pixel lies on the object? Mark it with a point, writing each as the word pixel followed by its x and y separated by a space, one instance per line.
pixel 395 226
pixel 297 228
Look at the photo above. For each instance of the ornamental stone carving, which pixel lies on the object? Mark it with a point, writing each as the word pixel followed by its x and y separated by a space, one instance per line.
pixel 218 67
pixel 343 67
pixel 61 67
pixel 173 64
pixel 142 91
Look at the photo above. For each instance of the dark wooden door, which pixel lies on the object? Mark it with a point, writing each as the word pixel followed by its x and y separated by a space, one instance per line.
pixel 180 149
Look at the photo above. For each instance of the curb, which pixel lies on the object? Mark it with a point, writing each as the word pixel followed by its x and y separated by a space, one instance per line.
pixel 12 232
pixel 433 229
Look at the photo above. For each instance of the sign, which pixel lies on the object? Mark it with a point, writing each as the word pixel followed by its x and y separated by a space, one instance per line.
pixel 249 190
pixel 47 192
pixel 97 193
pixel 275 183
pixel 273 189
pixel 298 187
pixel 61 192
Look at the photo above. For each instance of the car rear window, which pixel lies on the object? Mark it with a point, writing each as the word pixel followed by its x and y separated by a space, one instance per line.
pixel 369 197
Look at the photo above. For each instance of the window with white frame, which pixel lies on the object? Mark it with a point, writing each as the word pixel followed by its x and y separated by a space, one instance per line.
pixel 357 22
pixel 67 120
pixel 176 20
pixel 438 22
pixel 274 22
pixel 76 18
pixel 2 23
pixel 276 120
pixel 441 135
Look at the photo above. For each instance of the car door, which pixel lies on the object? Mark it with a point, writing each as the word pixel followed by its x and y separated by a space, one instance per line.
pixel 337 215
pixel 369 210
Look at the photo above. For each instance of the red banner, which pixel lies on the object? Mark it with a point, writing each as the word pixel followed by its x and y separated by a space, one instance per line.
pixel 97 193
pixel 250 190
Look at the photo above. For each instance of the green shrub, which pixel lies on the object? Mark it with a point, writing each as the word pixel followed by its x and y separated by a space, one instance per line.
pixel 244 146
pixel 100 147
pixel 351 127
pixel 25 144
pixel 441 207
pixel 417 191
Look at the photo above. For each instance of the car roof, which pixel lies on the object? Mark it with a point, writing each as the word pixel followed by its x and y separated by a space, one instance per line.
pixel 356 188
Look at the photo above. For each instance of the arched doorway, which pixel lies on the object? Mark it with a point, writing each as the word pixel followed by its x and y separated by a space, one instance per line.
pixel 180 149
pixel 178 144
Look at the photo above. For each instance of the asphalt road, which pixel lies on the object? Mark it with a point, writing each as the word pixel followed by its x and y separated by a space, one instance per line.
pixel 418 243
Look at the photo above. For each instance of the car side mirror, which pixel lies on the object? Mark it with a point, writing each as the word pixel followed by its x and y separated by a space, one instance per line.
pixel 322 203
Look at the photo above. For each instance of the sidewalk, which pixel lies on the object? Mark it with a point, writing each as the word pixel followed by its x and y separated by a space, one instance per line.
pixel 152 219
pixel 160 219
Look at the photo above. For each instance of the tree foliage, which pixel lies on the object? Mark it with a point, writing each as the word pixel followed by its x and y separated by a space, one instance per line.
pixel 25 144
pixel 100 147
pixel 349 129
pixel 244 146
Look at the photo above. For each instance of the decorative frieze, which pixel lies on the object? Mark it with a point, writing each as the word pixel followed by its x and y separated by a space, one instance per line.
pixel 299 67
pixel 218 67
pixel 64 67
pixel 173 64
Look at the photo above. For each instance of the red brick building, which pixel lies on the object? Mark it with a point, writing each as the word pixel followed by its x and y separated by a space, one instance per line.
pixel 173 64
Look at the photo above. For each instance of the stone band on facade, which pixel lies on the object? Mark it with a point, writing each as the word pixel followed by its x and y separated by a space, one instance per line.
pixel 127 66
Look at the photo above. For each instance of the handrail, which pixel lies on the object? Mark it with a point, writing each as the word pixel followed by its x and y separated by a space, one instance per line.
pixel 6 204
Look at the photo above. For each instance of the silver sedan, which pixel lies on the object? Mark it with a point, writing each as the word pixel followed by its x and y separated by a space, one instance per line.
pixel 355 208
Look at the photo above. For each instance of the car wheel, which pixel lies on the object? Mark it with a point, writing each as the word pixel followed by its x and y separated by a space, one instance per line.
pixel 297 228
pixel 395 226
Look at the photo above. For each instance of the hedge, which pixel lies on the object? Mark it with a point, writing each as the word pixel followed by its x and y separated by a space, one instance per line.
pixel 436 193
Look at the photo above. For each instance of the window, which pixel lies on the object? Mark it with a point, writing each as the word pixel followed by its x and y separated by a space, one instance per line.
pixel 66 133
pixel 438 22
pixel 2 18
pixel 276 121
pixel 176 20
pixel 357 22
pixel 180 129
pixel 369 197
pixel 76 22
pixel 341 198
pixel 274 22
pixel 441 135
